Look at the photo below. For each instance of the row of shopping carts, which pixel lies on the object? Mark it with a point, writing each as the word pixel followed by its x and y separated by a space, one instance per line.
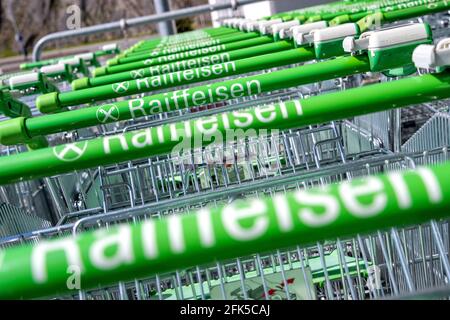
pixel 300 156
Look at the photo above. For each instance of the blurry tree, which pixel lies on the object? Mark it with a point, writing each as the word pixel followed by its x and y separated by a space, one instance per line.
pixel 32 19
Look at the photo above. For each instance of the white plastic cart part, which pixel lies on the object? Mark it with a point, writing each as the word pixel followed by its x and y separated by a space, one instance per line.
pixel 251 26
pixel 54 68
pixel 224 22
pixel 299 33
pixel 236 22
pixel 28 78
pixel 336 32
pixel 110 47
pixel 266 23
pixel 387 38
pixel 373 40
pixel 427 56
pixel 72 61
pixel 304 38
pixel 285 33
pixel 351 44
pixel 275 28
pixel 85 56
pixel 242 24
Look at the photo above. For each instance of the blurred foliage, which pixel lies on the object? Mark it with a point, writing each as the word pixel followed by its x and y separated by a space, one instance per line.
pixel 185 25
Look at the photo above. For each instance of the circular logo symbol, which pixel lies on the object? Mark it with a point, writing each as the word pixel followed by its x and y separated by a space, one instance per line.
pixel 137 73
pixel 70 152
pixel 108 113
pixel 121 87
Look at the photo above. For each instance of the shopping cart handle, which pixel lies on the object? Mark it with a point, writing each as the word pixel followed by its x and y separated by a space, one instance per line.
pixel 24 81
pixel 31 83
pixel 77 63
pixel 390 48
pixel 63 71
pixel 53 69
pixel 88 58
pixel 111 48
pixel 14 130
pixel 430 56
pixel 336 32
pixel 328 41
pixel 345 18
pixel 389 37
pixel 351 44
pixel 314 18
pixel 11 107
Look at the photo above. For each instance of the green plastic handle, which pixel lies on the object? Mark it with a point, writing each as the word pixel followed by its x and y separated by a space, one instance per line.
pixel 183 38
pixel 157 52
pixel 180 38
pixel 50 103
pixel 245 227
pixel 185 55
pixel 339 67
pixel 163 139
pixel 181 65
pixel 189 63
pixel 240 41
pixel 191 97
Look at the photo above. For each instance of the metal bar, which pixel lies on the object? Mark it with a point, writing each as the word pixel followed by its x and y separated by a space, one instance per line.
pixel 167 27
pixel 134 22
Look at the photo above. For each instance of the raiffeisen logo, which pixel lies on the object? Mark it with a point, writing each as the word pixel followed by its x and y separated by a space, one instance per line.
pixel 191 46
pixel 190 54
pixel 182 65
pixel 179 99
pixel 180 56
pixel 173 78
pixel 241 228
pixel 70 152
pixel 205 128
pixel 121 87
pixel 135 74
pixel 108 113
pixel 203 72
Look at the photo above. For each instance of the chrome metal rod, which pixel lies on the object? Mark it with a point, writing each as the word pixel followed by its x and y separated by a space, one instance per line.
pixel 134 22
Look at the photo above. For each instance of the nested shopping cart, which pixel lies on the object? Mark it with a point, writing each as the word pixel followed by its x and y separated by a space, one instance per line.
pixel 398 262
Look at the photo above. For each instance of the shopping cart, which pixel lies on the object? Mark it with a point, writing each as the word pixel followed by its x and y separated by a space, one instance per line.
pixel 394 263
pixel 28 200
